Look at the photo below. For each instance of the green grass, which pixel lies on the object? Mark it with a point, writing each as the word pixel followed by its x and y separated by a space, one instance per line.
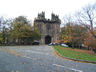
pixel 75 55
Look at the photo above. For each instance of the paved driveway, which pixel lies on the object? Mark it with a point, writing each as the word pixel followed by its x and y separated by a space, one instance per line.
pixel 38 59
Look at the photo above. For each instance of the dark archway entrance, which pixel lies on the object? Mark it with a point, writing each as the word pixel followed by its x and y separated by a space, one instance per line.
pixel 47 39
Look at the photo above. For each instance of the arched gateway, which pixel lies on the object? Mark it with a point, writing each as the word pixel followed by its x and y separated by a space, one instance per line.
pixel 47 39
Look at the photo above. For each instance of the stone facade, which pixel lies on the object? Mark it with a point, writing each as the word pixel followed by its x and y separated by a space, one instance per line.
pixel 49 28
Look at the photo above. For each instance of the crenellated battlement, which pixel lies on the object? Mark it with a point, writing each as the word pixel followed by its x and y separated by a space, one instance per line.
pixel 41 18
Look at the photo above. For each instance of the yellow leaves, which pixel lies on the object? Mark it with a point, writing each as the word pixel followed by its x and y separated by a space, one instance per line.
pixel 1 38
pixel 74 34
pixel 67 39
pixel 90 40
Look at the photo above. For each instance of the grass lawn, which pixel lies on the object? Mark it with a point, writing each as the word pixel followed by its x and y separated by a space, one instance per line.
pixel 75 54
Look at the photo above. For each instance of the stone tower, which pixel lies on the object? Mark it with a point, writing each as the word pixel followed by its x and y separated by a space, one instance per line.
pixel 49 28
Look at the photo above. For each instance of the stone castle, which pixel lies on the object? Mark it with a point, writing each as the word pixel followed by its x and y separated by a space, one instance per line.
pixel 49 28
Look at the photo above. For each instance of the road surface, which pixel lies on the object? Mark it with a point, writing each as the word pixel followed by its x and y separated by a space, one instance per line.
pixel 38 59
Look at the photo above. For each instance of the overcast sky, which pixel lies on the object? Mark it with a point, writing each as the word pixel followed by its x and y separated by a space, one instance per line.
pixel 30 8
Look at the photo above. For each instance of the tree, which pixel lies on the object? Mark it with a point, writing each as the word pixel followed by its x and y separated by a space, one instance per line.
pixel 66 33
pixel 36 35
pixel 79 28
pixel 90 41
pixel 4 30
pixel 73 34
pixel 1 38
pixel 87 15
pixel 78 34
pixel 21 29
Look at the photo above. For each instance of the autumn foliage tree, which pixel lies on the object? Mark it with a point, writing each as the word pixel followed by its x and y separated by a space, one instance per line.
pixel 79 29
pixel 78 34
pixel 66 33
pixel 90 41
pixel 73 34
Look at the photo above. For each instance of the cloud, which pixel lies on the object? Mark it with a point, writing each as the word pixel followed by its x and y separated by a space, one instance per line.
pixel 30 8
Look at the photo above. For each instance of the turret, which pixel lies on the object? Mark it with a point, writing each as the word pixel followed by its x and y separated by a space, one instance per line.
pixel 54 17
pixel 41 16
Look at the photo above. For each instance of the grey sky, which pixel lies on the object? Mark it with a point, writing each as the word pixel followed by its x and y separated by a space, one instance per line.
pixel 30 8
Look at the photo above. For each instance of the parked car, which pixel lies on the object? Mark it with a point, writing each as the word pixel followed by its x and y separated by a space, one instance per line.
pixel 51 44
pixel 35 43
pixel 64 45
